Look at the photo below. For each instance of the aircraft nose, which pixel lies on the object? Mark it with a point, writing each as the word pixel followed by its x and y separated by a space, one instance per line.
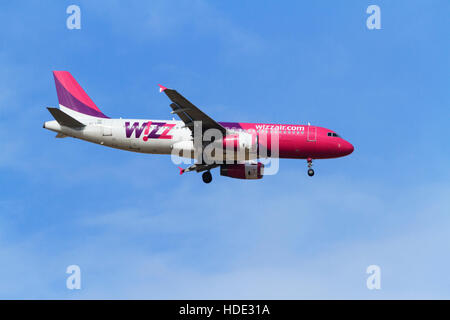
pixel 347 148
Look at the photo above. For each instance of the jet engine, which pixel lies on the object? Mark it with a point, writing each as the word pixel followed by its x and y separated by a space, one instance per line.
pixel 242 170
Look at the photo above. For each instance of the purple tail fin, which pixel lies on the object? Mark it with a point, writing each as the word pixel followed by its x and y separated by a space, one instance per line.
pixel 72 96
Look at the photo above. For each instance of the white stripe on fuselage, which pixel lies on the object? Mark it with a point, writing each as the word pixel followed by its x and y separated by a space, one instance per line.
pixel 161 137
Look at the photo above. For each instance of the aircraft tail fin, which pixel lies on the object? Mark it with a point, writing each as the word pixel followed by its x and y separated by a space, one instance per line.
pixel 64 119
pixel 72 96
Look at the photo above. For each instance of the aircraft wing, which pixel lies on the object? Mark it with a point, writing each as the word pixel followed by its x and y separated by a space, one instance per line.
pixel 189 113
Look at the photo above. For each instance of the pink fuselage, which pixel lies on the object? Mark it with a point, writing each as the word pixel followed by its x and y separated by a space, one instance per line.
pixel 298 141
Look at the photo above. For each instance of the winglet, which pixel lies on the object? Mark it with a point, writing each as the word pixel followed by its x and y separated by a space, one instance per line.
pixel 181 170
pixel 161 88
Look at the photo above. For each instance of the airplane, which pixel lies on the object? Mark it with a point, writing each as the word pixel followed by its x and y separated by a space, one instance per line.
pixel 79 117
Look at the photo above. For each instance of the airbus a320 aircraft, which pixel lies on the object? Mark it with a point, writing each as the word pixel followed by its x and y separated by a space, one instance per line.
pixel 79 117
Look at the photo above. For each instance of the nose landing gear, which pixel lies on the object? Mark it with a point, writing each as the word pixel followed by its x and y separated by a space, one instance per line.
pixel 310 170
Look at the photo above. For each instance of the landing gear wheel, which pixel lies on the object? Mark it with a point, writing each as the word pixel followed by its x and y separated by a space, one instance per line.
pixel 207 177
pixel 310 170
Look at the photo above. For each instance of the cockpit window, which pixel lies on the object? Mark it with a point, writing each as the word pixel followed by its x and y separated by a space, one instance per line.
pixel 333 134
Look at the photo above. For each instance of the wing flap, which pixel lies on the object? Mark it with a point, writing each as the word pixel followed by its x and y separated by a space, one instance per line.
pixel 60 135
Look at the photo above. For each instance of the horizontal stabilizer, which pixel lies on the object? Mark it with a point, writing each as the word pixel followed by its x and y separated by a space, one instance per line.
pixel 64 119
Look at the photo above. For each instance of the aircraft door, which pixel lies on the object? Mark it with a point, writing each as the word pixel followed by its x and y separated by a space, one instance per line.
pixel 107 131
pixel 312 134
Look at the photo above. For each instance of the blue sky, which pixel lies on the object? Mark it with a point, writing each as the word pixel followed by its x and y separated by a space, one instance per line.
pixel 139 230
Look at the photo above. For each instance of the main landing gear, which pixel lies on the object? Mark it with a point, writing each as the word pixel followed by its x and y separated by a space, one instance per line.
pixel 207 176
pixel 310 170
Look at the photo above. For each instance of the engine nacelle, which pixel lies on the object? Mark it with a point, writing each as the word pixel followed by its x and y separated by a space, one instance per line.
pixel 242 171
